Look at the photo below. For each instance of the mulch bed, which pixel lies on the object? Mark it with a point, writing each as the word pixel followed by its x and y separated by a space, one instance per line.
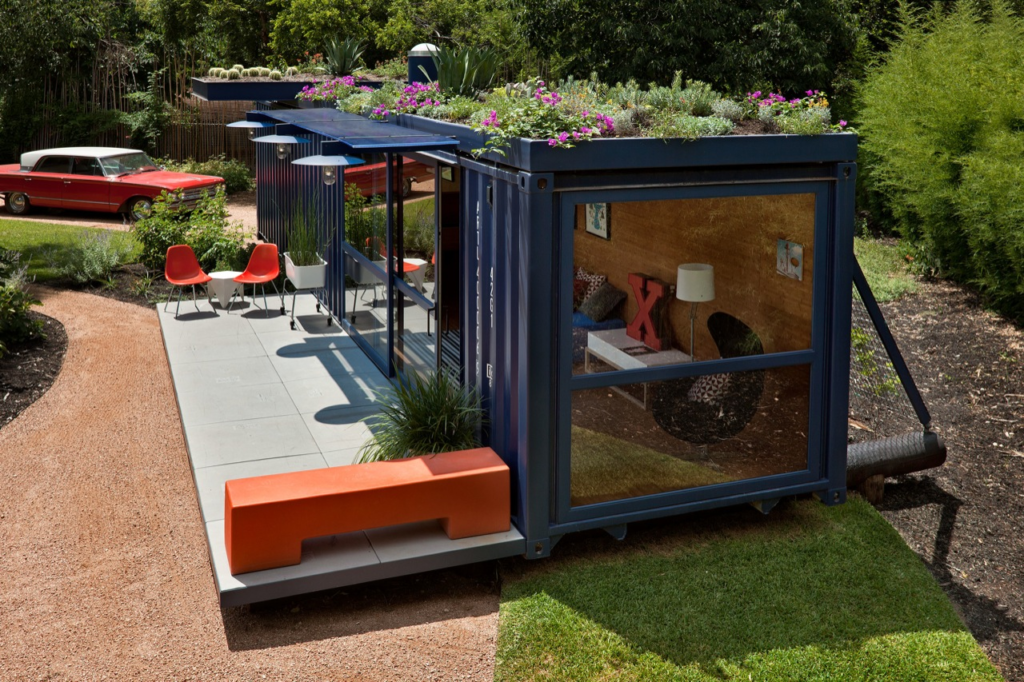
pixel 962 519
pixel 28 369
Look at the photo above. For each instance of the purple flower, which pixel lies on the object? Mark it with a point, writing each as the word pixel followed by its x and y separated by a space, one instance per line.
pixel 552 142
pixel 348 80
pixel 563 136
pixel 810 93
pixel 366 88
pixel 842 124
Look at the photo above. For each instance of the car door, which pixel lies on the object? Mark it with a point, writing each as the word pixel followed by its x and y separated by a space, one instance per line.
pixel 46 181
pixel 87 188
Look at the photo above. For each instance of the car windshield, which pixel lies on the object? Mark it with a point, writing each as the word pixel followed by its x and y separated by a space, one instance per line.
pixel 136 162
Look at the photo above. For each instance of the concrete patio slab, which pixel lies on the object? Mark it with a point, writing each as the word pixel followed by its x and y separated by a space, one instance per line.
pixel 249 371
pixel 249 440
pixel 258 398
pixel 218 404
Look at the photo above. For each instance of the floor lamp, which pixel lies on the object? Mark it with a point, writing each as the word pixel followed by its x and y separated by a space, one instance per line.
pixel 695 283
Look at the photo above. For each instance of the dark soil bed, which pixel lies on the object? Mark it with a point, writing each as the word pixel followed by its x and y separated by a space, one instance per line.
pixel 28 369
pixel 964 519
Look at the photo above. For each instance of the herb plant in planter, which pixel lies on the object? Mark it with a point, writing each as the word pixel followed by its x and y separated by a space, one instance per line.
pixel 423 416
pixel 303 261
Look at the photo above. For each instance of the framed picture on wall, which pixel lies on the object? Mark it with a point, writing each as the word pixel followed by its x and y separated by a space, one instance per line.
pixel 598 219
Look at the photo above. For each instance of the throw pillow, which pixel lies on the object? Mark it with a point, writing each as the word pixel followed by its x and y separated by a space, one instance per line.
pixel 593 281
pixel 709 389
pixel 602 302
pixel 579 293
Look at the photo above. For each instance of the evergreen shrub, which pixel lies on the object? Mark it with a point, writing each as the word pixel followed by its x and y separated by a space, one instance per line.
pixel 943 119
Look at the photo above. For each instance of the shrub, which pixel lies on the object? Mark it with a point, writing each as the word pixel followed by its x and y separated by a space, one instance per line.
pixel 944 119
pixel 94 256
pixel 205 229
pixel 237 176
pixel 423 416
pixel 727 109
pixel 15 303
pixel 690 127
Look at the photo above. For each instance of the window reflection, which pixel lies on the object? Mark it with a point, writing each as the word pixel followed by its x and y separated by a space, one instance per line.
pixel 644 439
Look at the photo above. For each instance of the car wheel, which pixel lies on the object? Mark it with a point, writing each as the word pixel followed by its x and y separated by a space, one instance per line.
pixel 139 208
pixel 407 187
pixel 17 203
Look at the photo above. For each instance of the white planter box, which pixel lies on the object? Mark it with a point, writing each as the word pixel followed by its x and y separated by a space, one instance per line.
pixel 305 276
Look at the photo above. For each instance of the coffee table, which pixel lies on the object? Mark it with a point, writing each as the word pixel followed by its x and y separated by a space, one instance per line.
pixel 614 347
pixel 222 286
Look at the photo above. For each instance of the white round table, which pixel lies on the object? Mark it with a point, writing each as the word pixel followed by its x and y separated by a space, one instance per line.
pixel 223 285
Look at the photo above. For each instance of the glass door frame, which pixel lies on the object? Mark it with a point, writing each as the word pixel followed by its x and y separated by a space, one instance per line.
pixel 394 247
pixel 814 357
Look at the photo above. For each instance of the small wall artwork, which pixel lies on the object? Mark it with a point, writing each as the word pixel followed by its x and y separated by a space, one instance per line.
pixel 789 260
pixel 598 217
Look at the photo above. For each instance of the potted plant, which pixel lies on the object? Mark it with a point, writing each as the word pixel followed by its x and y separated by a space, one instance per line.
pixel 423 415
pixel 303 261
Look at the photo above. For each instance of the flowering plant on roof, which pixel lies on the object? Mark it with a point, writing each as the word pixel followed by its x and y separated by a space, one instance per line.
pixel 414 99
pixel 331 89
pixel 805 115
pixel 538 112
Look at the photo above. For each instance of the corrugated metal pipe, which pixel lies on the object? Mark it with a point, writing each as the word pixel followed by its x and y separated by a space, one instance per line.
pixel 893 456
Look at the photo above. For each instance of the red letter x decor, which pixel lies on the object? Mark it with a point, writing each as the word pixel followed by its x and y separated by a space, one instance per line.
pixel 651 319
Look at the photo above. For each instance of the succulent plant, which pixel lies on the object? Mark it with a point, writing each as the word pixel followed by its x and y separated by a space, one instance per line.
pixel 237 67
pixel 212 71
pixel 246 73
pixel 291 71
pixel 275 75
pixel 264 71
pixel 233 75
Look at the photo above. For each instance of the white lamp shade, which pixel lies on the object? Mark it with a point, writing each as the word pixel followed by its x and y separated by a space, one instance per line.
pixel 695 282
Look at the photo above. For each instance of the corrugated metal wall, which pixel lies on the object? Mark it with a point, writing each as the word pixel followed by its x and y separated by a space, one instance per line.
pixel 285 191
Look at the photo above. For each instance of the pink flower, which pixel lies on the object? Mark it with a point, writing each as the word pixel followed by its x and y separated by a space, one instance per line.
pixel 552 142
pixel 563 137
pixel 842 124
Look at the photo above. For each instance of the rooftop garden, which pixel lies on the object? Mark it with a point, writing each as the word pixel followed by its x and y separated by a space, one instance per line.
pixel 572 110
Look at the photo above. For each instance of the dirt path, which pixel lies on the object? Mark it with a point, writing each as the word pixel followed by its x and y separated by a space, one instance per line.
pixel 105 572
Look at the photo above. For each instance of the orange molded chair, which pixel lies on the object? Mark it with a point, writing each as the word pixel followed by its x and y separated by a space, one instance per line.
pixel 407 267
pixel 182 269
pixel 263 267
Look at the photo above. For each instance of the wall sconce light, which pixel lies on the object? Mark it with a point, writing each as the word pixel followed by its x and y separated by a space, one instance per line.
pixel 330 165
pixel 282 143
pixel 252 126
pixel 695 283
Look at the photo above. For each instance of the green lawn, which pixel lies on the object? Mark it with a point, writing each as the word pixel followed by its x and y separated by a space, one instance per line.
pixel 42 243
pixel 885 269
pixel 806 593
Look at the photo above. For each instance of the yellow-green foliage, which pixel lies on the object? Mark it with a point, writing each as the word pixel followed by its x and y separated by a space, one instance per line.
pixel 944 117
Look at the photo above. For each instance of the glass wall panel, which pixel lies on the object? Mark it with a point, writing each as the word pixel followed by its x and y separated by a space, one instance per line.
pixel 418 227
pixel 746 287
pixel 643 439
pixel 367 304
pixel 415 336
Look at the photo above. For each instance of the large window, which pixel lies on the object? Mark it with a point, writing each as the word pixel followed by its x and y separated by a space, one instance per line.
pixel 692 324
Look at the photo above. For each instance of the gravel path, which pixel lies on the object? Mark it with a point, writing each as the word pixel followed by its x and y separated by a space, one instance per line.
pixel 105 568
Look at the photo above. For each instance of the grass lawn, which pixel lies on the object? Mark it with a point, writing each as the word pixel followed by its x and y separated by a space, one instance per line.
pixel 806 593
pixel 41 243
pixel 885 269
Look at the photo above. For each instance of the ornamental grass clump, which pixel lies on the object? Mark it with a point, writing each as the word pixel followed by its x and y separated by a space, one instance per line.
pixel 423 416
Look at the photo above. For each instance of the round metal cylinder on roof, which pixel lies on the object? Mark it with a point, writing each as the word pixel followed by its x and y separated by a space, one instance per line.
pixel 422 55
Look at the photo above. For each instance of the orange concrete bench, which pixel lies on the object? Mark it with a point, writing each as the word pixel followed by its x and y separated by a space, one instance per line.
pixel 266 518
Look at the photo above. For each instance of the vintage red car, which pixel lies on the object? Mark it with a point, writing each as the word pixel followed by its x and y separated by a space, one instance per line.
pixel 96 179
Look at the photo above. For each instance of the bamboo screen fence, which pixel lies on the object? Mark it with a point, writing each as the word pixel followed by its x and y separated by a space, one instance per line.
pixel 196 129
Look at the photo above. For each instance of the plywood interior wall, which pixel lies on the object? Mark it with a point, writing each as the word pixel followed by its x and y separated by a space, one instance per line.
pixel 738 236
